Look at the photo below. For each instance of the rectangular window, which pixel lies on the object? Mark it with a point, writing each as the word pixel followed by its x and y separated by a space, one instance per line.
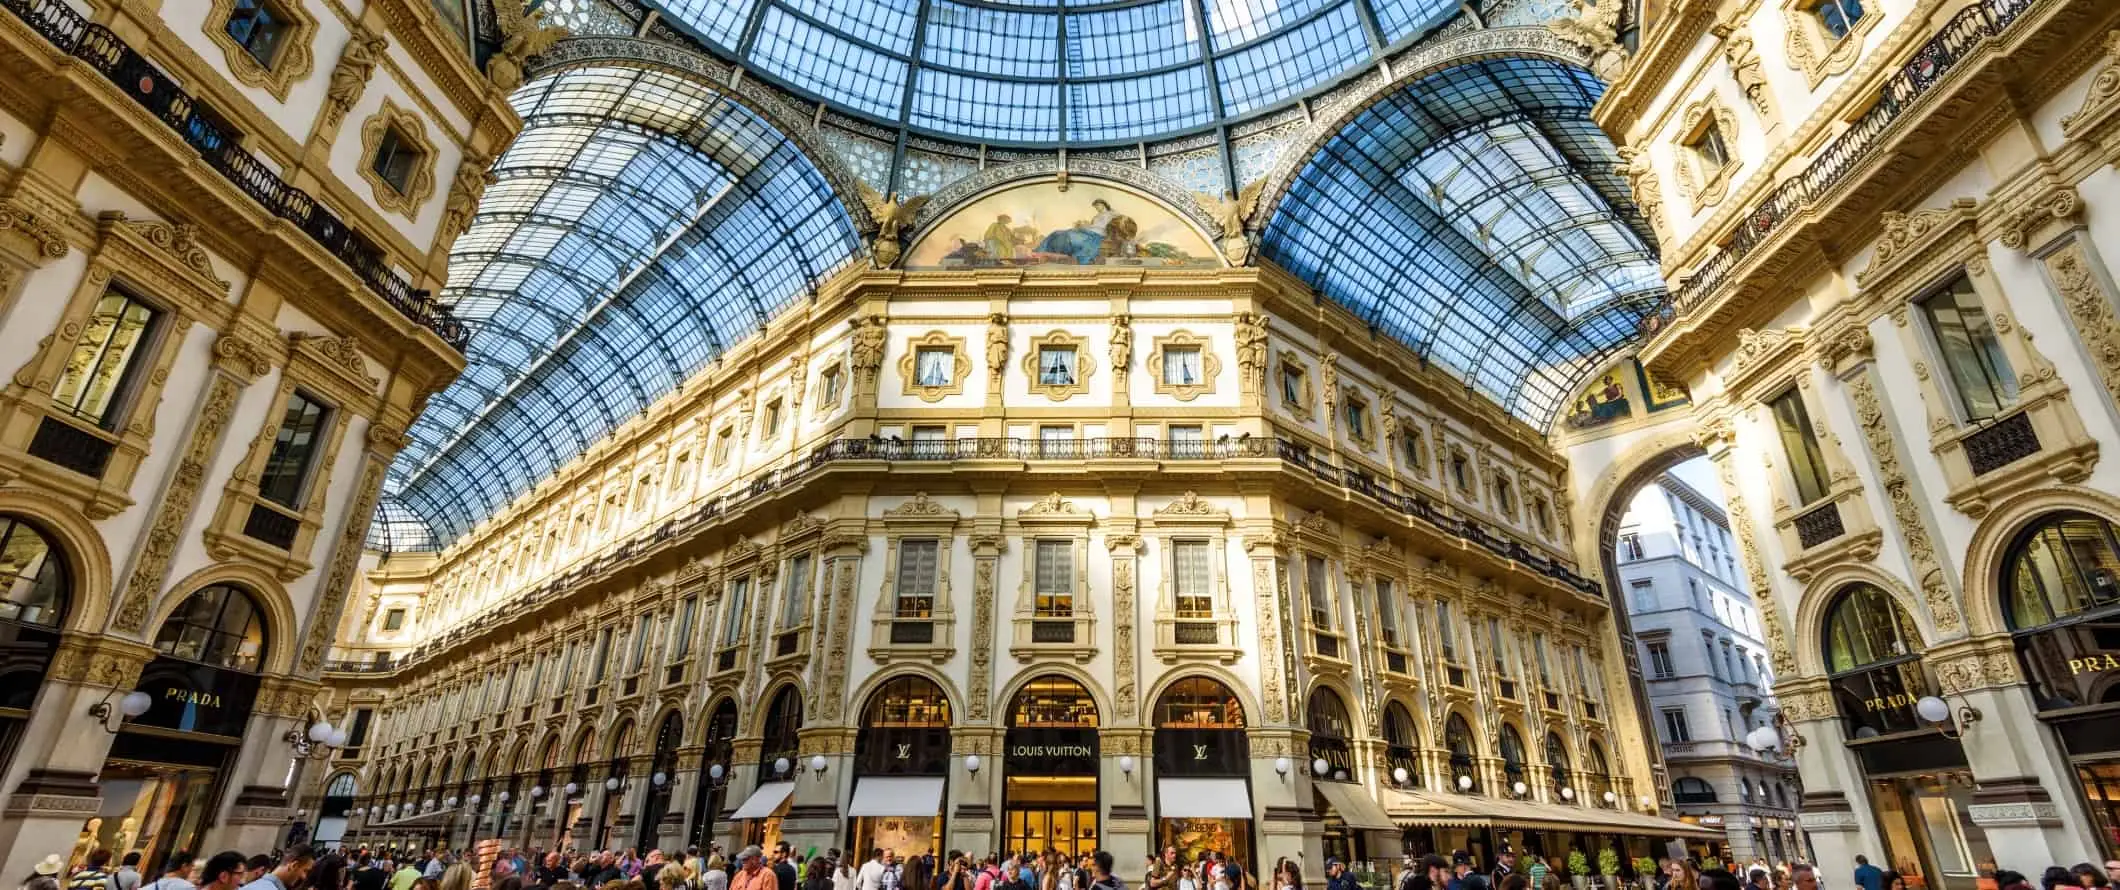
pixel 1499 645
pixel 930 442
pixel 395 158
pixel 772 419
pixel 1292 386
pixel 1056 442
pixel 1181 366
pixel 394 619
pixel 1710 147
pixel 1191 578
pixel 1055 579
pixel 1630 547
pixel 600 662
pixel 1660 660
pixel 1838 17
pixel 1707 654
pixel 637 658
pixel 103 368
pixel 1799 445
pixel 643 493
pixel 258 28
pixel 1387 613
pixel 1979 371
pixel 1538 652
pixel 1056 365
pixel 932 365
pixel 1643 595
pixel 829 384
pixel 732 628
pixel 1446 631
pixel 722 442
pixel 1316 592
pixel 797 592
pixel 1187 441
pixel 1675 728
pixel 916 578
pixel 1358 418
pixel 681 632
pixel 681 483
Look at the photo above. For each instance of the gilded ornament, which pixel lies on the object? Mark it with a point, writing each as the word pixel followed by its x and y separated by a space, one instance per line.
pixel 1595 27
pixel 349 79
pixel 466 189
pixel 982 679
pixel 1232 213
pixel 524 34
pixel 894 214
pixel 151 566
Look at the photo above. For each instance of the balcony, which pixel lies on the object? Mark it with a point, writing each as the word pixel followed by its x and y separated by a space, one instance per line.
pixel 1838 169
pixel 203 131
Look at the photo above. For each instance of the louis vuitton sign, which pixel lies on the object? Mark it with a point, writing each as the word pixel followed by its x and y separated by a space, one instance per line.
pixel 1049 751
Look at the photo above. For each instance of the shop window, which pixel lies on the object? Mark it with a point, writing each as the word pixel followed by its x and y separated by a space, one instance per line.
pixel 2066 566
pixel 781 733
pixel 1600 775
pixel 294 449
pixel 108 360
pixel 1199 703
pixel 1972 355
pixel 35 575
pixel 1512 756
pixel 1330 731
pixel 1401 740
pixel 218 626
pixel 397 157
pixel 394 620
pixel 1557 764
pixel 1865 627
pixel 1692 790
pixel 1053 701
pixel 260 27
pixel 1799 445
pixel 1838 17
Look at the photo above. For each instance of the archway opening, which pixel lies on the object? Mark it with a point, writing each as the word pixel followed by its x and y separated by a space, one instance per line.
pixel 32 610
pixel 1049 766
pixel 716 757
pixel 1203 770
pixel 901 766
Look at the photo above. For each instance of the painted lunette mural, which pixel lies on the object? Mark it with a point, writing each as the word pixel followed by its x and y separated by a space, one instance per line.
pixel 1047 224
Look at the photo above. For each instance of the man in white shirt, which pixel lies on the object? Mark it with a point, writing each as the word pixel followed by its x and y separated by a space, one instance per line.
pixel 880 872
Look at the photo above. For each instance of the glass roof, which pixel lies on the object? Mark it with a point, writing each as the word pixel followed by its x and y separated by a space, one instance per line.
pixel 1047 71
pixel 1476 216
pixel 640 223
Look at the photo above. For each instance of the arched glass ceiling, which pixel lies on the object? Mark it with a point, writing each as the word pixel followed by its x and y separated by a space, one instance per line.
pixel 1475 216
pixel 640 223
pixel 1046 71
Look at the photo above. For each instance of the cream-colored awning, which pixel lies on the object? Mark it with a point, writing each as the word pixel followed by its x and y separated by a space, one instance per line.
pixel 897 796
pixel 1203 799
pixel 1354 805
pixel 1419 808
pixel 765 801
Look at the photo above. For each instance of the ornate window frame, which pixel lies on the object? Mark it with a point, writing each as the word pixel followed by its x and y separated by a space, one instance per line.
pixel 799 537
pixel 1503 493
pixel 1768 364
pixel 908 365
pixel 830 371
pixel 1469 486
pixel 1054 518
pixel 1705 188
pixel 1084 365
pixel 1190 517
pixel 1356 404
pixel 1288 362
pixel 1383 562
pixel 918 517
pixel 1210 365
pixel 743 560
pixel 1919 254
pixel 1315 537
pixel 333 370
pixel 164 266
pixel 1814 52
pixel 413 129
pixel 294 60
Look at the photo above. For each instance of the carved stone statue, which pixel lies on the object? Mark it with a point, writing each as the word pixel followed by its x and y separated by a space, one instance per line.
pixel 1648 188
pixel 893 213
pixel 1595 27
pixel 866 352
pixel 465 192
pixel 1745 65
pixel 1251 348
pixel 350 79
pixel 1122 353
pixel 1232 214
pixel 523 34
pixel 996 345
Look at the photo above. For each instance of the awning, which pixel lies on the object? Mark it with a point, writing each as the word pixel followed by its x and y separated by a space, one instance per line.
pixel 897 796
pixel 1203 799
pixel 1417 808
pixel 1355 806
pixel 765 801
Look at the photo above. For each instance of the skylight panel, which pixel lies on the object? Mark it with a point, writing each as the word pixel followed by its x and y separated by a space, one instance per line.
pixel 1131 39
pixel 1400 19
pixel 719 21
pixel 829 65
pixel 887 24
pixel 1237 22
pixel 999 110
pixel 996 42
pixel 1291 63
pixel 1138 107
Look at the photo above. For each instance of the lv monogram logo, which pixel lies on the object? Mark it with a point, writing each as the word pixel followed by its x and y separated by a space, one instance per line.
pixel 1199 752
pixel 905 751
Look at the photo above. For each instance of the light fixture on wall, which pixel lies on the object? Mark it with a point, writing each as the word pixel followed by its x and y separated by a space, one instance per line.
pixel 1126 764
pixel 1935 710
pixel 1464 783
pixel 475 799
pixel 1282 765
pixel 504 796
pixel 818 764
pixel 612 783
pixel 659 779
pixel 318 741
pixel 972 763
pixel 781 766
pixel 1319 767
pixel 1611 798
pixel 1567 793
pixel 450 803
pixel 1519 788
pixel 1400 775
pixel 570 789
pixel 131 705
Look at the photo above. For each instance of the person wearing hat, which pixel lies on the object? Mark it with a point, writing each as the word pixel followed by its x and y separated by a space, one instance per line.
pixel 1337 876
pixel 751 872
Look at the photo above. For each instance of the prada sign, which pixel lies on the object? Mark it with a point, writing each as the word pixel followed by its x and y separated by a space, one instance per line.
pixel 193 697
pixel 2072 665
pixel 1880 700
pixel 1051 752
pixel 1202 752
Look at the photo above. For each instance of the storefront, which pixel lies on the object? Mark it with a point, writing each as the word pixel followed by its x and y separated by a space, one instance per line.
pixel 1203 771
pixel 662 778
pixel 573 796
pixel 1049 767
pixel 761 813
pixel 32 610
pixel 2061 595
pixel 1918 781
pixel 165 771
pixel 901 768
pixel 715 757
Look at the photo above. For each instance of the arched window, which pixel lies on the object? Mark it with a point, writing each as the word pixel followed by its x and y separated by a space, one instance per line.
pixel 1326 718
pixel 551 758
pixel 342 786
pixel 1457 737
pixel 2065 566
pixel 783 722
pixel 668 738
pixel 1557 762
pixel 622 740
pixel 1512 757
pixel 1199 703
pixel 1401 739
pixel 35 575
pixel 1865 627
pixel 1691 789
pixel 1053 701
pixel 338 796
pixel 1600 775
pixel 907 701
pixel 905 729
pixel 219 626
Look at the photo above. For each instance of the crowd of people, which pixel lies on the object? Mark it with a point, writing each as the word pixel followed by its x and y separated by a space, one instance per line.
pixel 781 868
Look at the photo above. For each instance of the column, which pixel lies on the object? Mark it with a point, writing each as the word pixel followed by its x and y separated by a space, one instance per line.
pixel 814 811
pixel 2014 758
pixel 1287 823
pixel 1124 826
pixel 257 805
pixel 1836 807
pixel 973 801
pixel 52 783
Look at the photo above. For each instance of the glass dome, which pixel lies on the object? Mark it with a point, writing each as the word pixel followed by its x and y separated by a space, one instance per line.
pixel 1055 71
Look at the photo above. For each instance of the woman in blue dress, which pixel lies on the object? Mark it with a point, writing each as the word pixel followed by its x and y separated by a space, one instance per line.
pixel 1084 242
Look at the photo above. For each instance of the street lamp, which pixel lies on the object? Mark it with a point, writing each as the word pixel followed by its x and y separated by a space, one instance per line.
pixel 131 705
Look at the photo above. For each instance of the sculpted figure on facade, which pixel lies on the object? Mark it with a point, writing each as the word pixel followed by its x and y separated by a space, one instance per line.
pixel 524 34
pixel 350 78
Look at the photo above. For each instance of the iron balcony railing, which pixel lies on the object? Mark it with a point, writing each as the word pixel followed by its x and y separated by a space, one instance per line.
pixel 206 133
pixel 1834 164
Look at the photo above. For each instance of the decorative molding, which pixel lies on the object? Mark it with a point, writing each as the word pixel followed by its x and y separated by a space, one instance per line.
pixel 2084 295
pixel 412 129
pixel 1745 66
pixel 1706 188
pixel 920 507
pixel 466 189
pixel 1745 531
pixel 1909 235
pixel 1289 361
pixel 39 227
pixel 349 78
pixel 1814 52
pixel 181 242
pixel 159 545
pixel 1936 586
pixel 345 557
pixel 960 366
pixel 291 62
pixel 1251 352
pixel 1647 186
pixel 1085 366
pixel 866 346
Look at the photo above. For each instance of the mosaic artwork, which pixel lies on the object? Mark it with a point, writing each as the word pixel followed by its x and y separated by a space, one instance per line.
pixel 1039 224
